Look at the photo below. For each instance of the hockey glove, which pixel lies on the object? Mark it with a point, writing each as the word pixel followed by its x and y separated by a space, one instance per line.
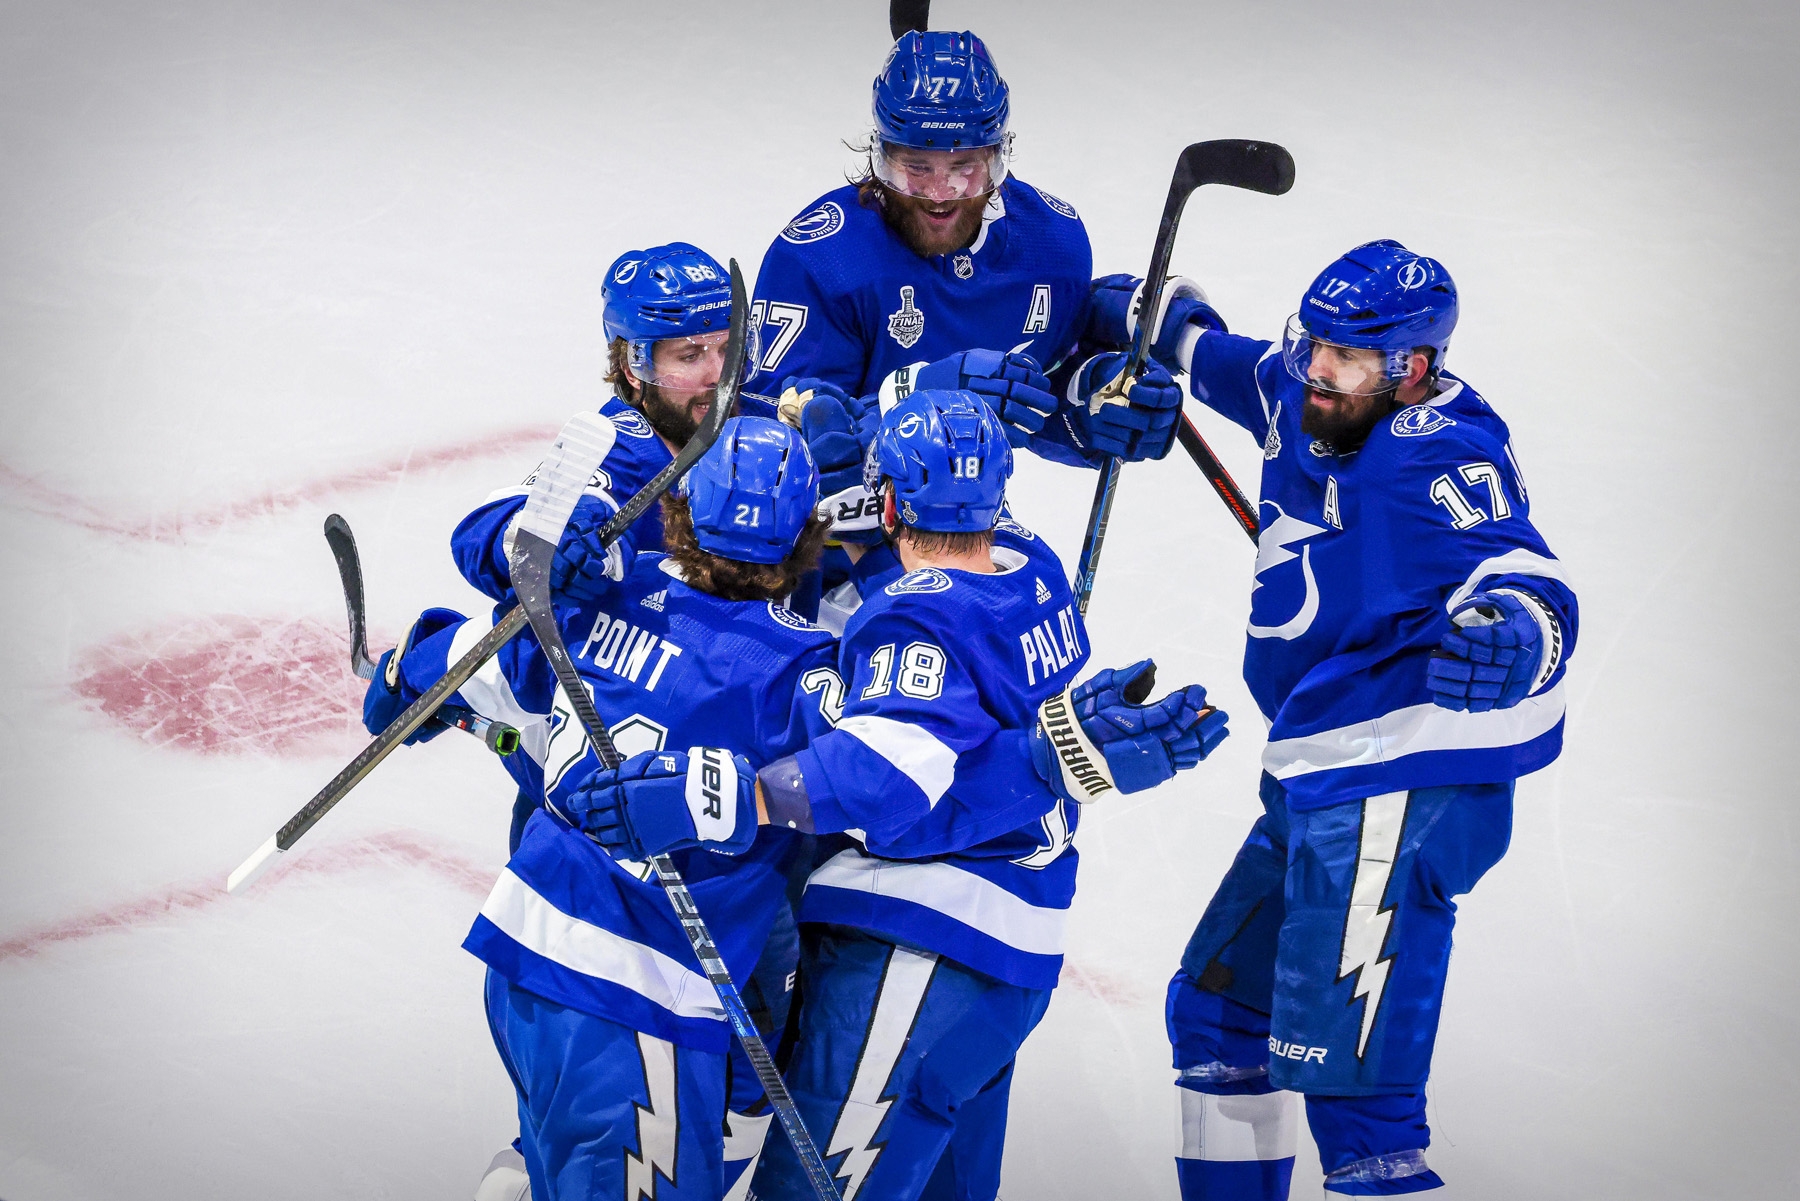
pixel 390 693
pixel 662 801
pixel 1099 736
pixel 1142 426
pixel 838 429
pixel 584 567
pixel 1112 314
pixel 1010 383
pixel 1492 656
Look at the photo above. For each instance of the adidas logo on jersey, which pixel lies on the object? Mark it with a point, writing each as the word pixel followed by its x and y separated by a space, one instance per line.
pixel 655 600
pixel 1043 593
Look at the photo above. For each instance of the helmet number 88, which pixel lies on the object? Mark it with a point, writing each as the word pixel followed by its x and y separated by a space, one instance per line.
pixel 921 674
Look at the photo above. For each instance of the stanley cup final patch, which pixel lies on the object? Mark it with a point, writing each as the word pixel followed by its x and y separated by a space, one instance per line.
pixel 907 325
pixel 712 790
pixel 1084 772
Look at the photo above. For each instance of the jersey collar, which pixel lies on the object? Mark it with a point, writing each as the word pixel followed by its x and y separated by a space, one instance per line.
pixel 996 209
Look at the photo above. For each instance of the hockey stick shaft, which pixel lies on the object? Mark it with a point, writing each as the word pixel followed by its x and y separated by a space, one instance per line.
pixel 559 485
pixel 1257 167
pixel 1242 511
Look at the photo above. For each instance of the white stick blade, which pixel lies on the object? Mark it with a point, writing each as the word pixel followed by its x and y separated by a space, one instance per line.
pixel 579 448
pixel 252 868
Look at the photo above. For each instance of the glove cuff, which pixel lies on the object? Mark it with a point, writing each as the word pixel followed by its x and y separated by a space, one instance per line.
pixel 1065 756
pixel 712 797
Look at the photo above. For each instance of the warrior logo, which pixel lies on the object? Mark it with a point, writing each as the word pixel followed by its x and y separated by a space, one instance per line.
pixel 964 265
pixel 815 224
pixel 908 325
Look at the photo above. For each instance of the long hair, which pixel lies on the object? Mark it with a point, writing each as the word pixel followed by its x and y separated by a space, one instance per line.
pixel 734 579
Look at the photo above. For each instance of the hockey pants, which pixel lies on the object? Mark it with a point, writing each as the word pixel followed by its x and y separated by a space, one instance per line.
pixel 902 1071
pixel 1319 967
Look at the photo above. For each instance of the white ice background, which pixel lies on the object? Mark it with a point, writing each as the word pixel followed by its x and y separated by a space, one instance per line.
pixel 249 247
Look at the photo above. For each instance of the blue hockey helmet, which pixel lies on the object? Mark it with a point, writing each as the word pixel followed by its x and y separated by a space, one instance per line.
pixel 750 494
pixel 672 291
pixel 1379 296
pixel 947 455
pixel 940 92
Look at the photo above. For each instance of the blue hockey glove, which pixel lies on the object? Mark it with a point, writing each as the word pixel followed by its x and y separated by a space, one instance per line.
pixel 390 693
pixel 663 801
pixel 838 429
pixel 1142 429
pixel 1099 735
pixel 1491 656
pixel 1112 314
pixel 583 567
pixel 1009 382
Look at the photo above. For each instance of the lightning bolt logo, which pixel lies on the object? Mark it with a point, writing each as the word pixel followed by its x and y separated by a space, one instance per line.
pixel 1366 925
pixel 656 1124
pixel 1272 551
pixel 898 1000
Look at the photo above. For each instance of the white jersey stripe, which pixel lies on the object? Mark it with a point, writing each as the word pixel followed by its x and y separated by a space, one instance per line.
pixel 1411 730
pixel 914 751
pixel 538 926
pixel 974 901
pixel 1517 561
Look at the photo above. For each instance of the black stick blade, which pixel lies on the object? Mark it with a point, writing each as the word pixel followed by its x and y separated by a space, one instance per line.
pixel 349 565
pixel 908 16
pixel 1238 163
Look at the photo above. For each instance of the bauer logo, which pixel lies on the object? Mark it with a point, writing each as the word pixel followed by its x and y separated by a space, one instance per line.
pixel 1058 204
pixel 1299 1051
pixel 626 270
pixel 632 422
pixel 1413 275
pixel 815 224
pixel 712 786
pixel 1418 421
pixel 926 579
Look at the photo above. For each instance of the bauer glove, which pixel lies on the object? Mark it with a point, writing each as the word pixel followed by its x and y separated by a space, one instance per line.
pixel 403 675
pixel 1010 383
pixel 1142 425
pixel 1099 736
pixel 1112 315
pixel 1493 656
pixel 584 566
pixel 662 801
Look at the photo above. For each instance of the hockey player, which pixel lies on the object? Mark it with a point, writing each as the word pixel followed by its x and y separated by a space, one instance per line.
pixel 615 1041
pixel 953 781
pixel 1409 631
pixel 936 251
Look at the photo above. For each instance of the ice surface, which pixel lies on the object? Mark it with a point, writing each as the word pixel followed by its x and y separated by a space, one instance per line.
pixel 266 261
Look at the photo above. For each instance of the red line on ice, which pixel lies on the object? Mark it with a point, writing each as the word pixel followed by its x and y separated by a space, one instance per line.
pixel 392 848
pixel 36 496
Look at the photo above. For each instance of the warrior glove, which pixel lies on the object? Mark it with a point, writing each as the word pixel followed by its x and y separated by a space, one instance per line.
pixel 1099 736
pixel 662 801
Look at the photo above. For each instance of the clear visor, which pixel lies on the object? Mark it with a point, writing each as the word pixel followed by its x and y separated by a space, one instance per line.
pixel 689 364
pixel 943 175
pixel 1351 370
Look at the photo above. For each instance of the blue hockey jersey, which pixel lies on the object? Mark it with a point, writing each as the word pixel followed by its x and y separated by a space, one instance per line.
pixel 960 847
pixel 1362 557
pixel 670 667
pixel 842 298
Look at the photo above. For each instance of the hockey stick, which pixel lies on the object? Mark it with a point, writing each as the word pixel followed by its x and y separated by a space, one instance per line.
pixel 460 672
pixel 908 16
pixel 559 485
pixel 498 737
pixel 1256 166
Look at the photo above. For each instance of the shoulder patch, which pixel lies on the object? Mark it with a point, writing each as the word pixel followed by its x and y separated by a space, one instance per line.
pixel 787 617
pixel 630 421
pixel 814 224
pixel 926 579
pixel 1057 204
pixel 1014 528
pixel 1418 421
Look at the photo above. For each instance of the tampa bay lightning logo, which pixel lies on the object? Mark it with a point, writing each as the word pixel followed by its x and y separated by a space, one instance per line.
pixel 1272 552
pixel 626 270
pixel 787 617
pixel 1014 528
pixel 926 579
pixel 814 224
pixel 1058 204
pixel 1418 421
pixel 1412 275
pixel 632 422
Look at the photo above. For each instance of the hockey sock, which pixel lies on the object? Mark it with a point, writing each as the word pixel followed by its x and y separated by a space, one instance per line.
pixel 1237 1148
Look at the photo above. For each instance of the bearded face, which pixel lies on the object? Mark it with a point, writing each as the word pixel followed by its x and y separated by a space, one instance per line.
pixel 932 227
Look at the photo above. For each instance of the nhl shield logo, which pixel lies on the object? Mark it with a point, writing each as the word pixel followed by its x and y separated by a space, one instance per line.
pixel 964 265
pixel 908 325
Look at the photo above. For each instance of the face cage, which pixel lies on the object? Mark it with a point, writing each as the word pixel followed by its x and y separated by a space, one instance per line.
pixel 1297 350
pixel 887 163
pixel 641 356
